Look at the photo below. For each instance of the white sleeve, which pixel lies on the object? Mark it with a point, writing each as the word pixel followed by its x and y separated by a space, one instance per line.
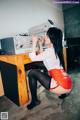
pixel 35 57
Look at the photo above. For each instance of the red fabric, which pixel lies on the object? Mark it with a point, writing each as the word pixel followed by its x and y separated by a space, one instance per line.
pixel 63 80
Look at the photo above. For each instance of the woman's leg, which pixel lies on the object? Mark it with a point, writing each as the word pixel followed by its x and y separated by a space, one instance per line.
pixel 44 79
pixel 36 65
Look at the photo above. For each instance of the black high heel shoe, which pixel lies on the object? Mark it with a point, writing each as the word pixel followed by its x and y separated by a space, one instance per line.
pixel 62 96
pixel 33 104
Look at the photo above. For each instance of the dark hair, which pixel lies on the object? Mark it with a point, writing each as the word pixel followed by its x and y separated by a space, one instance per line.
pixel 55 36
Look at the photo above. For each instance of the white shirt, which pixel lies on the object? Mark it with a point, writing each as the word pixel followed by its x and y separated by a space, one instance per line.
pixel 48 57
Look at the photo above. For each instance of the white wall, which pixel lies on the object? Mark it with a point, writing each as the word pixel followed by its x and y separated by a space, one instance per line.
pixel 16 16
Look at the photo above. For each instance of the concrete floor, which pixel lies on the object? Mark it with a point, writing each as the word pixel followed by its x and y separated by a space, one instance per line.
pixel 50 107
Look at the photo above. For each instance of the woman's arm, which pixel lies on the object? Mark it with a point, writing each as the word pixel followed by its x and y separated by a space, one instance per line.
pixel 33 56
pixel 40 45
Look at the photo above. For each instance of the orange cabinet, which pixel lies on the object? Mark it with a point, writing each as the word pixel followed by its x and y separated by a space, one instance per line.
pixel 14 77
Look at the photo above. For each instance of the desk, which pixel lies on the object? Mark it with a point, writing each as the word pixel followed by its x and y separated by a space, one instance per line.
pixel 65 58
pixel 14 77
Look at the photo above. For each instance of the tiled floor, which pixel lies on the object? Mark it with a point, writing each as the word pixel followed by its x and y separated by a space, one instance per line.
pixel 50 107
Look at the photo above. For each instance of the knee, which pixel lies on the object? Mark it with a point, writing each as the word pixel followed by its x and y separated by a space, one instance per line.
pixel 31 73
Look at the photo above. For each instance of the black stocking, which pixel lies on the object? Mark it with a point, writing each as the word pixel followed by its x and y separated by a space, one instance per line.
pixel 44 79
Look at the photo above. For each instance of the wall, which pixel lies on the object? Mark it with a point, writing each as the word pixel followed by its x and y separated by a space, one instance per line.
pixel 16 16
pixel 72 20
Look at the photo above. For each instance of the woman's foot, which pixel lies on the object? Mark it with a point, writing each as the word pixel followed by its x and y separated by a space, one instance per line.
pixel 33 104
pixel 62 96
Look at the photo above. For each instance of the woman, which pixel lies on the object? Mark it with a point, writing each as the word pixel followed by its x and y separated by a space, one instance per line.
pixel 56 81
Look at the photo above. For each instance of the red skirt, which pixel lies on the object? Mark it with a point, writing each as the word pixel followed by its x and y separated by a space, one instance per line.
pixel 63 79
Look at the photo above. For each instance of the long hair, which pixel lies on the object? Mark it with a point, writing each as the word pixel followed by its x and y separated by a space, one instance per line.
pixel 55 36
